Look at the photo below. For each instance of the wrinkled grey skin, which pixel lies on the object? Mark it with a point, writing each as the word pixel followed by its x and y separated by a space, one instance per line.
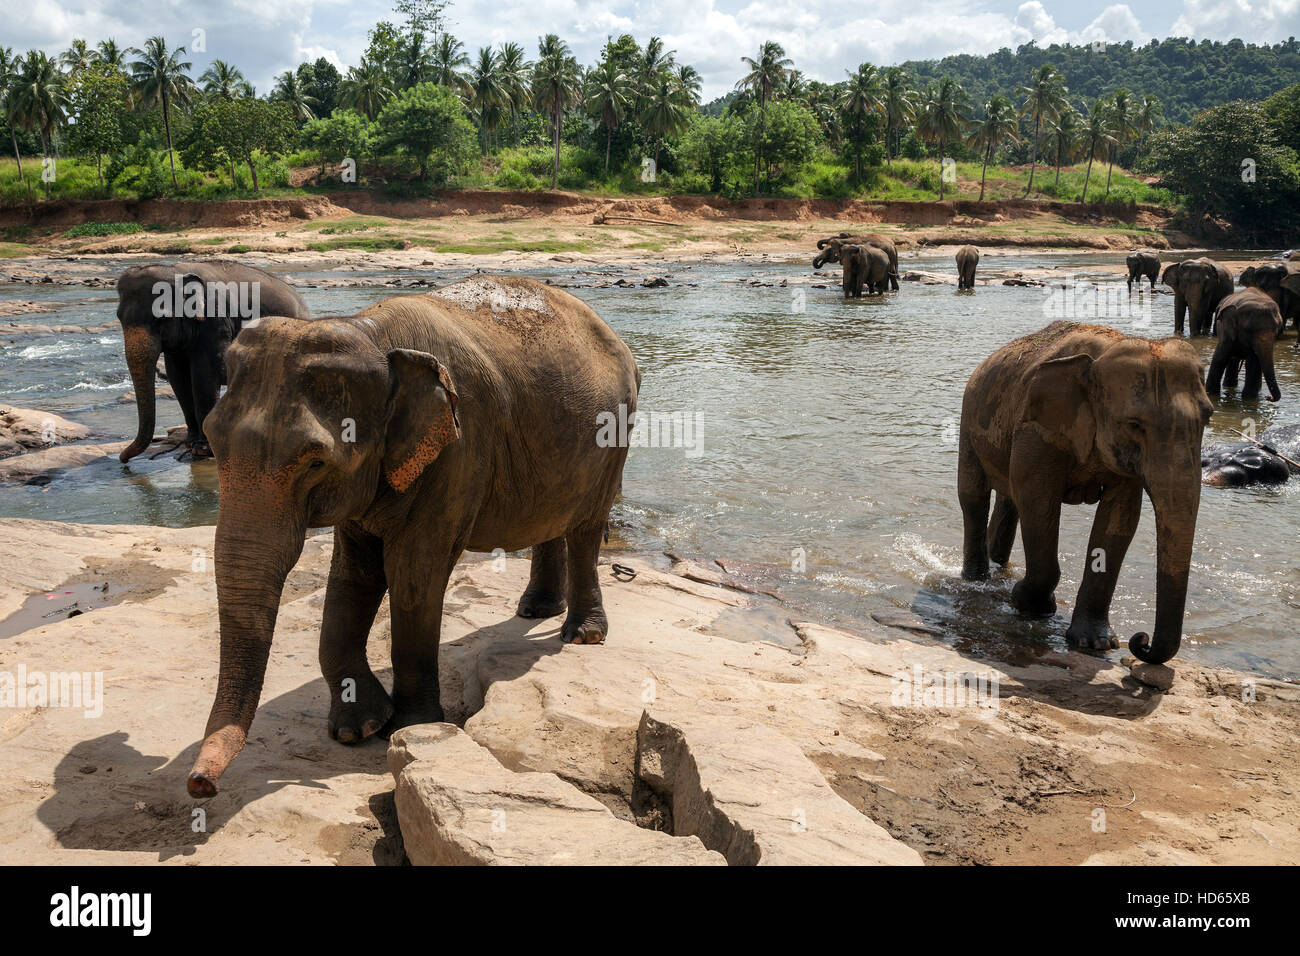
pixel 1281 283
pixel 193 347
pixel 830 251
pixel 1141 264
pixel 968 257
pixel 1199 286
pixel 1247 325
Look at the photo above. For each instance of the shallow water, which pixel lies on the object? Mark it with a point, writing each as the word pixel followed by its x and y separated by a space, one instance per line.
pixel 826 429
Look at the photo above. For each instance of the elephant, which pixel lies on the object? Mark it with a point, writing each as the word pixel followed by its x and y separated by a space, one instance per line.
pixel 864 265
pixel 830 251
pixel 968 257
pixel 1142 263
pixel 1082 413
pixel 481 417
pixel 1272 460
pixel 1199 286
pixel 189 313
pixel 1247 325
pixel 1281 283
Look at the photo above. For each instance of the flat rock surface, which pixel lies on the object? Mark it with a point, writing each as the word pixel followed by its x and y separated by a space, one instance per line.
pixel 810 743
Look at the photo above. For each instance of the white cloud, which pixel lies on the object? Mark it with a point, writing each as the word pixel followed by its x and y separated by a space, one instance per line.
pixel 1256 21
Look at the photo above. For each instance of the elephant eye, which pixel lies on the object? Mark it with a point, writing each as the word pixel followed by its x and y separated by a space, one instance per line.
pixel 1135 423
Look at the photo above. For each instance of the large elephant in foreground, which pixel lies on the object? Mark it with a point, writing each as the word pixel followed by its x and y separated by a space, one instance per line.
pixel 864 266
pixel 1199 286
pixel 1082 413
pixel 476 417
pixel 1281 283
pixel 968 257
pixel 830 250
pixel 1142 264
pixel 189 313
pixel 1247 325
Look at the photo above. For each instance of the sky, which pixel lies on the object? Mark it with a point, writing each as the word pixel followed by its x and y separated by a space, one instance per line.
pixel 265 37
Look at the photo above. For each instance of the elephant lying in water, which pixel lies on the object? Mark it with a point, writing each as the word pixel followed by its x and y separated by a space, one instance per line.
pixel 831 247
pixel 1082 413
pixel 1233 465
pixel 471 418
pixel 189 313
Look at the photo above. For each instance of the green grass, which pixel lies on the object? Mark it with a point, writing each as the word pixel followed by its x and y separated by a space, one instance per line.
pixel 371 243
pixel 88 229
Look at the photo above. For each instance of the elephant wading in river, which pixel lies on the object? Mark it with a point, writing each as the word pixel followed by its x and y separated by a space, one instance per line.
pixel 479 418
pixel 830 251
pixel 1281 283
pixel 968 257
pixel 864 265
pixel 189 313
pixel 1082 413
pixel 1199 286
pixel 1248 324
pixel 1142 264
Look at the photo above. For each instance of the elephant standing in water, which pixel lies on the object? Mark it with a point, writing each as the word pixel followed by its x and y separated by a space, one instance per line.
pixel 1281 283
pixel 1248 324
pixel 831 246
pixel 1082 413
pixel 1140 264
pixel 864 265
pixel 1199 286
pixel 189 313
pixel 968 257
pixel 472 418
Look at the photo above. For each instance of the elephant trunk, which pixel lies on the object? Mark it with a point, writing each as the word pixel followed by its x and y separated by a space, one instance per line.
pixel 142 351
pixel 1176 501
pixel 821 243
pixel 820 261
pixel 254 554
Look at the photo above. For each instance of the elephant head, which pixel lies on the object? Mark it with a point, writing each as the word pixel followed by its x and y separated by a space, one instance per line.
pixel 316 416
pixel 830 249
pixel 1141 408
pixel 1273 280
pixel 1199 285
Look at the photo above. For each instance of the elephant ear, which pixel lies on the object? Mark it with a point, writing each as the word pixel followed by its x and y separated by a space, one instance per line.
pixel 422 417
pixel 1170 278
pixel 1247 277
pixel 1060 403
pixel 189 283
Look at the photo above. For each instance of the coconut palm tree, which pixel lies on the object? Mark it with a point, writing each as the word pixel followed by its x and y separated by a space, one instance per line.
pixel 10 69
pixel 108 53
pixel 607 95
pixel 862 98
pixel 667 110
pixel 1095 136
pixel 486 93
pixel 290 90
pixel 689 82
pixel 1043 99
pixel 447 61
pixel 654 61
pixel 76 57
pixel 224 80
pixel 766 72
pixel 366 88
pixel 941 116
pixel 414 61
pixel 899 102
pixel 1065 130
pixel 557 86
pixel 515 81
pixel 1149 114
pixel 999 125
pixel 161 78
pixel 1123 120
pixel 39 98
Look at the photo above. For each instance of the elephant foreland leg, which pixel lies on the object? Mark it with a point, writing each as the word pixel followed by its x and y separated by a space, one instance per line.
pixel 178 376
pixel 416 601
pixel 205 386
pixel 586 623
pixel 359 705
pixel 1002 530
pixel 1037 486
pixel 1112 531
pixel 547 580
pixel 973 495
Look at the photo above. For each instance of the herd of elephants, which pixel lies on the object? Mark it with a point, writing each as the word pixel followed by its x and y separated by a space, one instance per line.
pixel 468 418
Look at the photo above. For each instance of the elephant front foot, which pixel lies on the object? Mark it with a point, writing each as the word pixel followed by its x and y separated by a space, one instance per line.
pixel 975 571
pixel 1032 601
pixel 1092 635
pixel 409 712
pixel 588 628
pixel 359 710
pixel 541 603
pixel 199 448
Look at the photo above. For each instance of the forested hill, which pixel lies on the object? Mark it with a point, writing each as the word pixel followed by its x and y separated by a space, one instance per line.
pixel 1186 75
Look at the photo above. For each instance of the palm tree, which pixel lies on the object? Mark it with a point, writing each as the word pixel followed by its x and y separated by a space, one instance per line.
pixel 224 80
pixel 446 62
pixel 607 95
pixel 110 54
pixel 1149 114
pixel 1096 137
pixel 1065 130
pixel 900 104
pixel 667 111
pixel 998 125
pixel 1044 98
pixel 76 57
pixel 160 77
pixel 557 86
pixel 365 88
pixel 486 92
pixel 689 82
pixel 862 98
pixel 766 72
pixel 290 89
pixel 654 61
pixel 1123 117
pixel 10 69
pixel 39 98
pixel 941 116
pixel 414 62
pixel 515 82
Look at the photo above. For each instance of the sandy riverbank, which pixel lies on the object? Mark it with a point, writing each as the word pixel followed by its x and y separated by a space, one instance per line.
pixel 798 733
